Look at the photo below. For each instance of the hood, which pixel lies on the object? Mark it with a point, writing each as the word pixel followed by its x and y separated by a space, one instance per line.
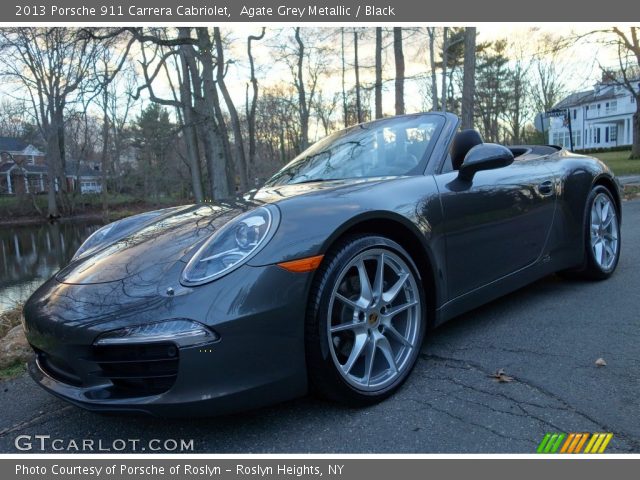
pixel 154 247
pixel 282 192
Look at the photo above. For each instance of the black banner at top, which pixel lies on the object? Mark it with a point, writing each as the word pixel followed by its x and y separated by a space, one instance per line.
pixel 345 11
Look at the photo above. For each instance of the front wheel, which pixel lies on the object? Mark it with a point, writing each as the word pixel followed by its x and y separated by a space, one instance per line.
pixel 366 321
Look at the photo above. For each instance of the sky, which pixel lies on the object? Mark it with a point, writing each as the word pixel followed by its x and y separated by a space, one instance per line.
pixel 579 63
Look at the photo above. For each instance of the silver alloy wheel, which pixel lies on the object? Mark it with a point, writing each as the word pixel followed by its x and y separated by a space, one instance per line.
pixel 374 326
pixel 604 232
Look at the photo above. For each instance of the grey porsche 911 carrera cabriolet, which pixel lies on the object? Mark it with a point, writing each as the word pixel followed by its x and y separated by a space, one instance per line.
pixel 326 278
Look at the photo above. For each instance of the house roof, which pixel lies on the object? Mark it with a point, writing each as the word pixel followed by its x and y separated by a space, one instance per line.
pixel 11 144
pixel 72 169
pixel 601 92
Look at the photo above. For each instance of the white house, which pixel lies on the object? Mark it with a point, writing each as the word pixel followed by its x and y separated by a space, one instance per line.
pixel 600 118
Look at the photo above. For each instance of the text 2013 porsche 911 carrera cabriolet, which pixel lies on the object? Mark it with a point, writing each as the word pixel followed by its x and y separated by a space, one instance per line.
pixel 326 278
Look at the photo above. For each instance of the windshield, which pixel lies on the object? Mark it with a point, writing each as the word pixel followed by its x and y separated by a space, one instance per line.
pixel 389 147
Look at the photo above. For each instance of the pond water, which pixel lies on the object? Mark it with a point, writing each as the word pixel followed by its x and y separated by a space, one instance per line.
pixel 31 254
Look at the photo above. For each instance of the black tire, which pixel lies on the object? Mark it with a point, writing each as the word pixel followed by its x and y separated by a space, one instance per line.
pixel 591 268
pixel 324 377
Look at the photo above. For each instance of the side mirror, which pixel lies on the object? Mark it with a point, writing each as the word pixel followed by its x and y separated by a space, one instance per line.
pixel 484 157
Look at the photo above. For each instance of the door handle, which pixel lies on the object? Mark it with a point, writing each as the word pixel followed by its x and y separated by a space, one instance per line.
pixel 546 188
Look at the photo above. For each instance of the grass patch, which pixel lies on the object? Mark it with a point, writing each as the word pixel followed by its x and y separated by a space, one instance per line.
pixel 15 209
pixel 619 162
pixel 12 371
pixel 631 192
pixel 10 319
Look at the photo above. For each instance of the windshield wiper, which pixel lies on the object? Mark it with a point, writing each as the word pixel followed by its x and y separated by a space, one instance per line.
pixel 312 180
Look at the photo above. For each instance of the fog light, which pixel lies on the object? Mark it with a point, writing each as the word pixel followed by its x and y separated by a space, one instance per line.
pixel 184 333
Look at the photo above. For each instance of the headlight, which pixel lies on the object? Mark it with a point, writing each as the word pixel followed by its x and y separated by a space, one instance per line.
pixel 231 246
pixel 181 332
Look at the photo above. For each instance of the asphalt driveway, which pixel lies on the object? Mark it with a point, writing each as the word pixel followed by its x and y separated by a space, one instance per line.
pixel 547 336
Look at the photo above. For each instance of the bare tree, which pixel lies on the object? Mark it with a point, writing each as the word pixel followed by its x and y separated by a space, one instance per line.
pixel 307 60
pixel 343 71
pixel 468 82
pixel 52 65
pixel 378 85
pixel 518 105
pixel 627 43
pixel 445 63
pixel 548 84
pixel 324 108
pixel 399 59
pixel 12 118
pixel 187 115
pixel 303 106
pixel 356 67
pixel 233 112
pixel 431 32
pixel 252 105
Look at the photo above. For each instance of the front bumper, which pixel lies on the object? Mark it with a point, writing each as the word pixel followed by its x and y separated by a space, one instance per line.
pixel 258 312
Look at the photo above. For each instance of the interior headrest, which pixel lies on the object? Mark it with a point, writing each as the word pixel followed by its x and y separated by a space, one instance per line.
pixel 464 141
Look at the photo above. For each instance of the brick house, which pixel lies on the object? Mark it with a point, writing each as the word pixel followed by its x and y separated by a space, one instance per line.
pixel 23 169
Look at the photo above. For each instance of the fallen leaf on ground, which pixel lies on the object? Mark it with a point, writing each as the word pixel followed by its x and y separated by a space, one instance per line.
pixel 500 376
pixel 601 363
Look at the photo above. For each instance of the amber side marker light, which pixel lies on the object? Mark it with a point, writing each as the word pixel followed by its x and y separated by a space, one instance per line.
pixel 303 264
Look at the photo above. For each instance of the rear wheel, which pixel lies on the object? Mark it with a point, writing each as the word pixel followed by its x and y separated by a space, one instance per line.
pixel 366 321
pixel 602 235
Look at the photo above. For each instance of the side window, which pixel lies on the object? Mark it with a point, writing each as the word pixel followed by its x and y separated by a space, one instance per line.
pixel 448 164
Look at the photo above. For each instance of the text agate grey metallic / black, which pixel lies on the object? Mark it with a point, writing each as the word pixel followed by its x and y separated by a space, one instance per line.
pixel 328 276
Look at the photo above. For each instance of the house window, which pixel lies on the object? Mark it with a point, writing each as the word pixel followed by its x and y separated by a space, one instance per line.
pixel 597 136
pixel 613 134
pixel 575 113
pixel 606 135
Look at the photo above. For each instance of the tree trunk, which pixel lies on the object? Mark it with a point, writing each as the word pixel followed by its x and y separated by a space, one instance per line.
pixel 52 172
pixel 399 58
pixel 635 147
pixel 445 61
pixel 104 160
pixel 302 95
pixel 63 189
pixel 345 113
pixel 251 109
pixel 233 112
pixel 432 63
pixel 217 152
pixel 468 82
pixel 356 67
pixel 378 88
pixel 189 129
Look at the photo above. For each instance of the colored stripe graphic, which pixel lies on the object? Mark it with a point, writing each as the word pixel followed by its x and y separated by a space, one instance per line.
pixel 581 443
pixel 598 443
pixel 543 443
pixel 556 443
pixel 605 442
pixel 570 440
pixel 551 442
